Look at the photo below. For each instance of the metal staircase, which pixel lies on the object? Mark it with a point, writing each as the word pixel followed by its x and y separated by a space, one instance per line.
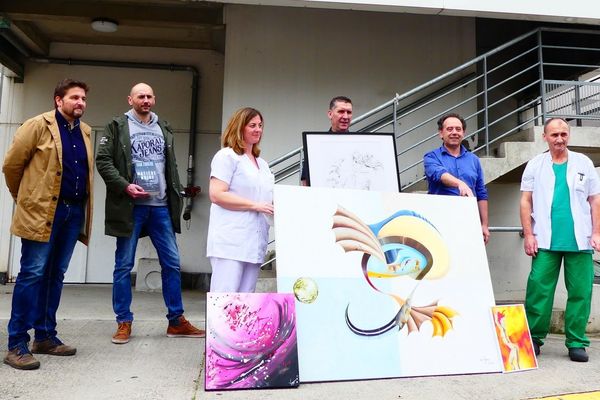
pixel 504 95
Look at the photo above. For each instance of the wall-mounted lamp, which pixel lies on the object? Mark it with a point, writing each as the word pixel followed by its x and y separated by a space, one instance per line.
pixel 105 25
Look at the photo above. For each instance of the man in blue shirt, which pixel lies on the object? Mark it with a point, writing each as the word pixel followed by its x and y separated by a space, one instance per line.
pixel 452 170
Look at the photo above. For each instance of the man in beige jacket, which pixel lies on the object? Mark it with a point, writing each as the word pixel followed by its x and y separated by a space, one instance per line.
pixel 48 171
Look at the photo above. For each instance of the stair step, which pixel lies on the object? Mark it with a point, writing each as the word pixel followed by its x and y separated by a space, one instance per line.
pixel 513 155
pixel 267 281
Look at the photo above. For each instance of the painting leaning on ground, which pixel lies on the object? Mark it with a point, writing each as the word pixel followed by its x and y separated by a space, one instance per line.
pixel 387 284
pixel 250 341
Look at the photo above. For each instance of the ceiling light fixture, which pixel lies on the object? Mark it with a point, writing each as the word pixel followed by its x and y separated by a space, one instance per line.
pixel 105 25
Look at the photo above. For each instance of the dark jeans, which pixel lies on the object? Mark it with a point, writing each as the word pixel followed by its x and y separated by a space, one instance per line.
pixel 157 223
pixel 39 284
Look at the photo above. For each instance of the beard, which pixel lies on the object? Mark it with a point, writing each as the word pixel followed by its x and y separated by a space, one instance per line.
pixel 142 110
pixel 73 113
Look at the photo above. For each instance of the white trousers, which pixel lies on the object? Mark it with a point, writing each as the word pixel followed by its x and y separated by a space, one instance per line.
pixel 232 276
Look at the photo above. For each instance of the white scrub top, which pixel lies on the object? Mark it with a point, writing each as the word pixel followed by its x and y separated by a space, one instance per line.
pixel 582 180
pixel 240 235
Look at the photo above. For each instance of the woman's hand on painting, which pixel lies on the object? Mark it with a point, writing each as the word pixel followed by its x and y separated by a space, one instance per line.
pixel 265 208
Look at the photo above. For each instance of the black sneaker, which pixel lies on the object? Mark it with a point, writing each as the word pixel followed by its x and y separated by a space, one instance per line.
pixel 578 354
pixel 536 348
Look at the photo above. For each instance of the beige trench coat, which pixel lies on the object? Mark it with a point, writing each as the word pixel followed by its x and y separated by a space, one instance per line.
pixel 33 172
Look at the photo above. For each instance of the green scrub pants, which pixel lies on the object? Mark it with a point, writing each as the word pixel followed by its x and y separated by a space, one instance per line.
pixel 579 278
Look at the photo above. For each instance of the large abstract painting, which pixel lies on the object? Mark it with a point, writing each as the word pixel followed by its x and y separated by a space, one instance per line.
pixel 250 341
pixel 365 161
pixel 386 284
pixel 514 340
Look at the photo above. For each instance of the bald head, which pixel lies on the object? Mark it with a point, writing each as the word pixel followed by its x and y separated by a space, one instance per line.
pixel 140 87
pixel 556 134
pixel 141 99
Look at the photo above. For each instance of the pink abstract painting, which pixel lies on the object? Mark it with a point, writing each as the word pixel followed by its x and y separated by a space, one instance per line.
pixel 250 341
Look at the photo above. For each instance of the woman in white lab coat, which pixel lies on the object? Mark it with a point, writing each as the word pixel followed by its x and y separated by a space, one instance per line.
pixel 241 192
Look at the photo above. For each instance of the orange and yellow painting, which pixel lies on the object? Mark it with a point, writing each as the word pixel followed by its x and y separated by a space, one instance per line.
pixel 514 339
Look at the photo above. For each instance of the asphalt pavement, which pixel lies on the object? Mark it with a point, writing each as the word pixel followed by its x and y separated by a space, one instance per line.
pixel 152 366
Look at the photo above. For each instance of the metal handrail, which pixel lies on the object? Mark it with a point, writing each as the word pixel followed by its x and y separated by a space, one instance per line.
pixel 506 229
pixel 421 87
pixel 516 128
pixel 514 71
pixel 510 61
pixel 356 120
pixel 284 157
pixel 426 100
pixel 375 110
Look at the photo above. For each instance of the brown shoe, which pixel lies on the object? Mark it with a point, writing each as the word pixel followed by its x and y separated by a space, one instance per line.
pixel 184 329
pixel 123 333
pixel 52 346
pixel 21 358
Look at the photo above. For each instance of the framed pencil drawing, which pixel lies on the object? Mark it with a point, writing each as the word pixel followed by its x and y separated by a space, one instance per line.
pixel 364 161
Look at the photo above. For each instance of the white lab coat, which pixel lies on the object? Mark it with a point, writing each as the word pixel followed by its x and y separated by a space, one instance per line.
pixel 240 235
pixel 583 182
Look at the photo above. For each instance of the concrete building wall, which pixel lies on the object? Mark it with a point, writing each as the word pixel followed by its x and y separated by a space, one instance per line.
pixel 287 62
pixel 508 263
pixel 12 97
pixel 290 62
pixel 577 11
pixel 107 98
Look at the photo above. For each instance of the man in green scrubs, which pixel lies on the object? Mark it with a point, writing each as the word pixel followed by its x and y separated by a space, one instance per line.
pixel 560 215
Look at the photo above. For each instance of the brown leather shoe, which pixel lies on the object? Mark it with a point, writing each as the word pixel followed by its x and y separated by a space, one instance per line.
pixel 21 358
pixel 184 329
pixel 52 346
pixel 123 333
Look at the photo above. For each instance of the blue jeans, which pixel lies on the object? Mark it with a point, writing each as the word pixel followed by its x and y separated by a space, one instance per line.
pixel 39 284
pixel 156 222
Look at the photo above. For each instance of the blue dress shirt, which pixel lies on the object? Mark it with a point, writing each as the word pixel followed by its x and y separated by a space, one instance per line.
pixel 465 167
pixel 74 161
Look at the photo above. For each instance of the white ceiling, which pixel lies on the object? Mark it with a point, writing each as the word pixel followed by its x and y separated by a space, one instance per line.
pixel 162 23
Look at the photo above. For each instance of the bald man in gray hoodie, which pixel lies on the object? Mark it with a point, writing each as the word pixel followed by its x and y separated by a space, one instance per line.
pixel 136 159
